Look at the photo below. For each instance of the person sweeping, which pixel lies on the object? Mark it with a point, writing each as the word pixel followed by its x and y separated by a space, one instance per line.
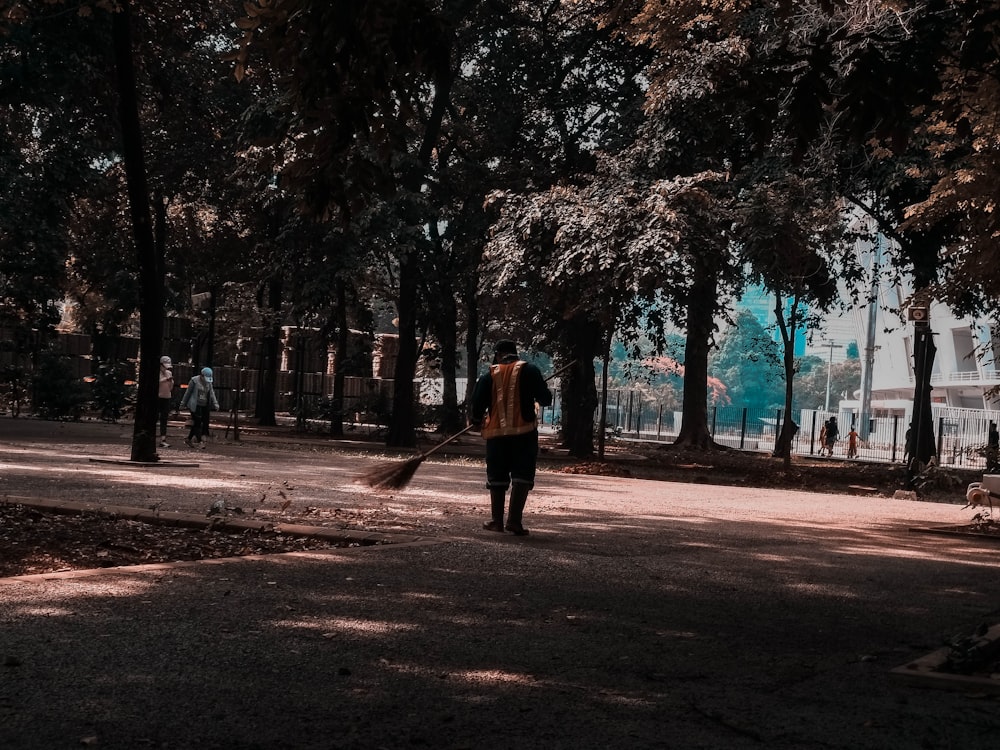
pixel 503 402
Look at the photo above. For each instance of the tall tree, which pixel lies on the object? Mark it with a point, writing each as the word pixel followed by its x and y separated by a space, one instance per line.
pixel 710 112
pixel 792 230
pixel 576 264
pixel 133 64
pixel 366 89
pixel 149 261
pixel 543 92
pixel 52 140
pixel 914 93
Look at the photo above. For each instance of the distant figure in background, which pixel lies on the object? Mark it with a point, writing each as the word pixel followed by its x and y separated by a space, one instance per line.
pixel 822 437
pixel 166 394
pixel 199 399
pixel 992 449
pixel 852 443
pixel 832 433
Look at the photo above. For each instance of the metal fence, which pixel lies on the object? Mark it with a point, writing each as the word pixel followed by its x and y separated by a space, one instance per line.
pixel 960 434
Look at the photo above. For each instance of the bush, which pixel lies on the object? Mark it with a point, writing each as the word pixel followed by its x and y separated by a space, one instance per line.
pixel 112 391
pixel 14 386
pixel 57 392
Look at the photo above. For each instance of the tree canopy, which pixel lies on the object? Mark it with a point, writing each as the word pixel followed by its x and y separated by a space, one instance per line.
pixel 570 173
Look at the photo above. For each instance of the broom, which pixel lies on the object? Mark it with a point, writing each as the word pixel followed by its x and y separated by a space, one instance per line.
pixel 394 475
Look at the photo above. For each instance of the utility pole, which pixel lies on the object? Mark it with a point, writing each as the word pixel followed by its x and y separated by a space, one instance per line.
pixel 868 365
pixel 829 370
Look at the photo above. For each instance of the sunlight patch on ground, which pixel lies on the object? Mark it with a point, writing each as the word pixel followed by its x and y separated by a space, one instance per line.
pixel 497 677
pixel 145 477
pixel 42 601
pixel 332 627
pixel 42 611
pixel 965 556
pixel 25 468
pixel 438 495
pixel 962 592
pixel 689 520
pixel 770 557
pixel 421 596
pixel 492 677
pixel 822 589
pixel 47 453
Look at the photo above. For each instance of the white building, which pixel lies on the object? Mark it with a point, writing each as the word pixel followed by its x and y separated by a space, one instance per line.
pixel 963 375
pixel 964 369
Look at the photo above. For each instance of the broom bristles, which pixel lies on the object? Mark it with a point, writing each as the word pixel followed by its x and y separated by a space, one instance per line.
pixel 393 475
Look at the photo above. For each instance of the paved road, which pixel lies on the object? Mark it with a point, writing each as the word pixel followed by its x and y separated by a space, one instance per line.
pixel 637 614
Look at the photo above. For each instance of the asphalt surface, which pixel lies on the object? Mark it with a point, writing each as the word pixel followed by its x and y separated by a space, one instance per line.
pixel 637 614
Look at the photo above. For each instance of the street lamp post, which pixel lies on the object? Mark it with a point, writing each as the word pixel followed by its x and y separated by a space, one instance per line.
pixel 829 370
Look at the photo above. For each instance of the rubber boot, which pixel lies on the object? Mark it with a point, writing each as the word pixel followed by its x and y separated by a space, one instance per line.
pixel 498 498
pixel 518 498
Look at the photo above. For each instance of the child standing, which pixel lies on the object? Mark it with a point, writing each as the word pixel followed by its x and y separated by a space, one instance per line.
pixel 852 443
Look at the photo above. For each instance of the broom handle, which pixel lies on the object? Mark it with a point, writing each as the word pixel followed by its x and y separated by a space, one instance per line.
pixel 561 370
pixel 459 434
pixel 445 442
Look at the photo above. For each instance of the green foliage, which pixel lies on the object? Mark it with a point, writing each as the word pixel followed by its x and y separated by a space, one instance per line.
pixel 809 363
pixel 57 393
pixel 14 386
pixel 763 114
pixel 810 385
pixel 747 361
pixel 113 389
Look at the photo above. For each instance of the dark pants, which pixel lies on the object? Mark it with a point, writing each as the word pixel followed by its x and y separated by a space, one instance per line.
pixel 199 423
pixel 164 415
pixel 511 459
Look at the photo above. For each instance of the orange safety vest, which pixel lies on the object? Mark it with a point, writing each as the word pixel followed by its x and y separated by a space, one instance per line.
pixel 505 416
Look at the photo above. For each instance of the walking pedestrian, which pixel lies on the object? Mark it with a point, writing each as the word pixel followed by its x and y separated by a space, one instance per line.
pixel 832 433
pixel 166 397
pixel 504 402
pixel 908 444
pixel 822 437
pixel 199 399
pixel 992 449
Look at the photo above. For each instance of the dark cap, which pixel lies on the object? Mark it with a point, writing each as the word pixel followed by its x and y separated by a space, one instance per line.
pixel 505 347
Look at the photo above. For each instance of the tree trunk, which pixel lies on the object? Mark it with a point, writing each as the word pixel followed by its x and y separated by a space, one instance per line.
pixel 700 325
pixel 923 447
pixel 339 358
pixel 149 261
pixel 602 423
pixel 451 415
pixel 578 387
pixel 783 447
pixel 267 376
pixel 210 343
pixel 401 432
pixel 471 343
pixel 444 323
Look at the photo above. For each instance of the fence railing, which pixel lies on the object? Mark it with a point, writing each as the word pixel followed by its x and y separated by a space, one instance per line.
pixel 960 434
